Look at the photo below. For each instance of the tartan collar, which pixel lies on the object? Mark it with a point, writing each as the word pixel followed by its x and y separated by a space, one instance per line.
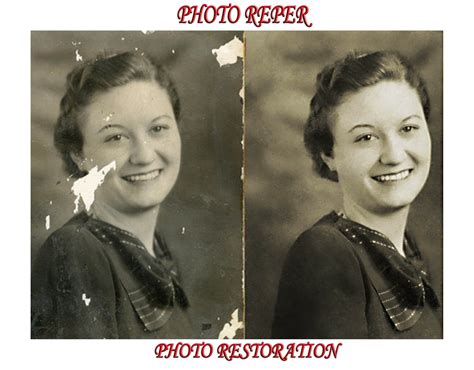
pixel 151 283
pixel 400 282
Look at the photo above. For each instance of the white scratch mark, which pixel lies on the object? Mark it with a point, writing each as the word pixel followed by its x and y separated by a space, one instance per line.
pixel 108 117
pixel 242 173
pixel 47 222
pixel 183 230
pixel 241 93
pixel 86 300
pixel 78 56
pixel 86 186
pixel 147 32
pixel 230 52
pixel 231 327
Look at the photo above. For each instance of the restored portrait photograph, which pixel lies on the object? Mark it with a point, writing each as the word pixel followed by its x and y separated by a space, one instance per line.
pixel 343 187
pixel 135 185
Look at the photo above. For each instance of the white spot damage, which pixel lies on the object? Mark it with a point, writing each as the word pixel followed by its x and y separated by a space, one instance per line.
pixel 147 32
pixel 241 93
pixel 108 117
pixel 47 224
pixel 230 52
pixel 86 186
pixel 230 328
pixel 123 39
pixel 183 230
pixel 86 300
pixel 78 56
pixel 172 50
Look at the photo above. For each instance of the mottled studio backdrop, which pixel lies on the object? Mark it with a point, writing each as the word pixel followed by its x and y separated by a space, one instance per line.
pixel 283 196
pixel 201 218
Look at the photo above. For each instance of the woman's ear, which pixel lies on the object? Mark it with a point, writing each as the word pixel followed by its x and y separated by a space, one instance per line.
pixel 329 160
pixel 79 160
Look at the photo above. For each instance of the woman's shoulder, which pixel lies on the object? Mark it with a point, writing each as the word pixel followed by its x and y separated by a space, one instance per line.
pixel 323 253
pixel 322 290
pixel 72 241
pixel 323 239
pixel 73 290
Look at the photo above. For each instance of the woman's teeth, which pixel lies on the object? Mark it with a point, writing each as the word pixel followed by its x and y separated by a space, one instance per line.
pixel 145 177
pixel 394 177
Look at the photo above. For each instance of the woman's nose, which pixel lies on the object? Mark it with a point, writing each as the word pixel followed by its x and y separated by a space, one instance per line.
pixel 392 151
pixel 142 153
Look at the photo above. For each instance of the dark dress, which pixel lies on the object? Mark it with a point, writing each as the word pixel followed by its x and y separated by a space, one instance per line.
pixel 93 280
pixel 344 280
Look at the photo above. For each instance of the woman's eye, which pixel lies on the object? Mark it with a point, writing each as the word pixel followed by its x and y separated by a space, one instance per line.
pixel 409 128
pixel 118 137
pixel 157 129
pixel 366 137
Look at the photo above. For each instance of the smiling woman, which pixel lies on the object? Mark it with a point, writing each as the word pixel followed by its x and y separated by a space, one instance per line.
pixel 358 273
pixel 136 189
pixel 382 149
pixel 135 126
pixel 107 273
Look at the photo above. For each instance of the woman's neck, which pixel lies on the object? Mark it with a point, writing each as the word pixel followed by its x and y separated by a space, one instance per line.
pixel 392 224
pixel 142 224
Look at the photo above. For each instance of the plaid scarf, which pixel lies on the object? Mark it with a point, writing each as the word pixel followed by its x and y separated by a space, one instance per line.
pixel 151 283
pixel 401 283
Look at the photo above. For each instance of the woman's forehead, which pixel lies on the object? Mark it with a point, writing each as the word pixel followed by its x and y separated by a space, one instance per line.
pixel 385 103
pixel 135 102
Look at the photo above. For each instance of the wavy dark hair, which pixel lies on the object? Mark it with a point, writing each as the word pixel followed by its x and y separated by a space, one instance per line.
pixel 348 75
pixel 97 76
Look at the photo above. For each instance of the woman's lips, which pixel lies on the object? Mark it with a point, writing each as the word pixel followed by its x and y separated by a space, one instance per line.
pixel 142 176
pixel 391 177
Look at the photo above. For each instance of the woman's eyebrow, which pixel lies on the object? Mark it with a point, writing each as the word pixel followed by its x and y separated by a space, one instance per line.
pixel 360 126
pixel 410 117
pixel 106 127
pixel 160 117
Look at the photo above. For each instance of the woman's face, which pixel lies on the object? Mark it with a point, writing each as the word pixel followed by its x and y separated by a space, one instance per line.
pixel 133 125
pixel 382 147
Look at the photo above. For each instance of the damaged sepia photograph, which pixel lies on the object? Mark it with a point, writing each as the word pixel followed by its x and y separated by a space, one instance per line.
pixel 136 185
pixel 343 185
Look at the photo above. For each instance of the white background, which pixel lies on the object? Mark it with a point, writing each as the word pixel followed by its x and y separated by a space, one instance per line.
pixel 19 18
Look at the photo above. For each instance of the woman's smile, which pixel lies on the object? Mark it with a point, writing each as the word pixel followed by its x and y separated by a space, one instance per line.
pixel 142 177
pixel 393 176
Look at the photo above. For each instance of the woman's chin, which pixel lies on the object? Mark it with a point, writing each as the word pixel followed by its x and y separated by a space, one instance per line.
pixel 392 205
pixel 142 206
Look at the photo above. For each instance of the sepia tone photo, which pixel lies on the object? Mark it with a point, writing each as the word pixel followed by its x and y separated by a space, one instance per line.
pixel 138 226
pixel 135 185
pixel 343 186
